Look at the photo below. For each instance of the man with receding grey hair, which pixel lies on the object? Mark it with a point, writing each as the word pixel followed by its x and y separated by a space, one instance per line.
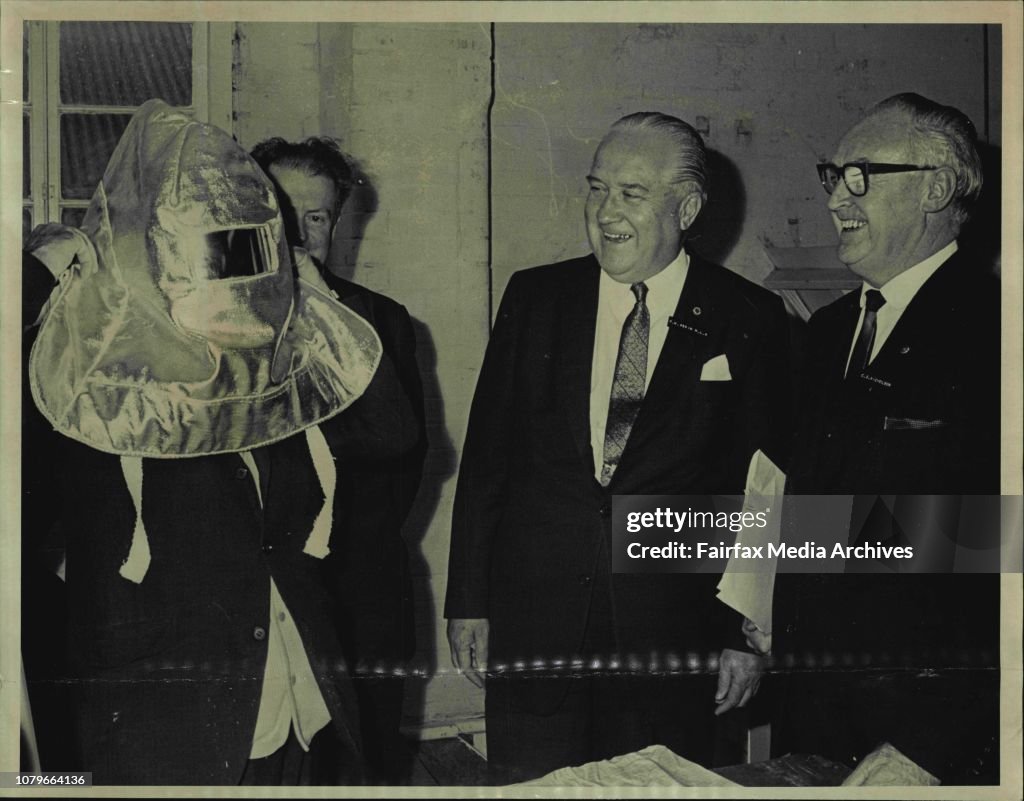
pixel 639 369
pixel 901 398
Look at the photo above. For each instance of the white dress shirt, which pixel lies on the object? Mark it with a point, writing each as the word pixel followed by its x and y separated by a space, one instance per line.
pixel 290 698
pixel 898 293
pixel 614 303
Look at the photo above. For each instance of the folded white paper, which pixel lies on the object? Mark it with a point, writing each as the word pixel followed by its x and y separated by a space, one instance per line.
pixel 750 592
pixel 886 766
pixel 654 766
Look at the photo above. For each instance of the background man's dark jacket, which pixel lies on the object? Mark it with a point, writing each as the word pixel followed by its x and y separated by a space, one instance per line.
pixel 368 572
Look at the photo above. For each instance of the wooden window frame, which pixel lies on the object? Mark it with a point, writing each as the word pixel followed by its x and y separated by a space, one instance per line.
pixel 211 102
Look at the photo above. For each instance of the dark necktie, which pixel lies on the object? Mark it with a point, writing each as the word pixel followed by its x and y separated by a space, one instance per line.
pixel 628 383
pixel 873 301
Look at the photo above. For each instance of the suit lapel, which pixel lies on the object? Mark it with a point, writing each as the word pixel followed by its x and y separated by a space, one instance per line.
pixel 839 339
pixel 576 330
pixel 693 330
pixel 915 331
pixel 348 293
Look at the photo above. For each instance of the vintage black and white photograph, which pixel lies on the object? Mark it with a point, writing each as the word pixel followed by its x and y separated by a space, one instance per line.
pixel 549 399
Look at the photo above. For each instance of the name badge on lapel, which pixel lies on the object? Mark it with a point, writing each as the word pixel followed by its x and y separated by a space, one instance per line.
pixel 675 322
pixel 876 380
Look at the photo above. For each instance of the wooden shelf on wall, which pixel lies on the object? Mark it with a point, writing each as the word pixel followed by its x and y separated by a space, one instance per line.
pixel 808 277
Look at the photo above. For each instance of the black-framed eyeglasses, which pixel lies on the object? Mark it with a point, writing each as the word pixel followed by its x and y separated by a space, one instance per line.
pixel 855 174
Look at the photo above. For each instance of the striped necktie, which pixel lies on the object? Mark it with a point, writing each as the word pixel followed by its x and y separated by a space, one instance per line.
pixel 628 383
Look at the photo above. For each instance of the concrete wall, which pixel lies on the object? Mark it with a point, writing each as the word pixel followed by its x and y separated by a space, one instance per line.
pixel 276 81
pixel 411 104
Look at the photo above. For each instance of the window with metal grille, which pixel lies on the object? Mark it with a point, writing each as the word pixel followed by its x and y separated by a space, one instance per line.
pixel 84 80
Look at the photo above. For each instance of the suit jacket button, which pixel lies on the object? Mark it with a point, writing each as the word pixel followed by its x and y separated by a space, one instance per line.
pixel 268 548
pixel 259 633
pixel 241 473
pixel 605 510
pixel 585 580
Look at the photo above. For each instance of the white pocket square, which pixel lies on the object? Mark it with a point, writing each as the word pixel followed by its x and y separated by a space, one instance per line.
pixel 716 369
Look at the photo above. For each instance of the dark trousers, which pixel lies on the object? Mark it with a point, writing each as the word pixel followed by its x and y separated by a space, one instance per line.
pixel 600 717
pixel 947 721
pixel 603 713
pixel 326 763
pixel 908 659
pixel 388 754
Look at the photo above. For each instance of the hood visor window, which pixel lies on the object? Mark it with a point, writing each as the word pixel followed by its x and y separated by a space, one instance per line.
pixel 239 253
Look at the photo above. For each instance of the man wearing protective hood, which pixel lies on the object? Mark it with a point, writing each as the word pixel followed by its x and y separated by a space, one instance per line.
pixel 184 421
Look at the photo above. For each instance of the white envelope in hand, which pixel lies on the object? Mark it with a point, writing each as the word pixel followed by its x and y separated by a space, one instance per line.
pixel 716 369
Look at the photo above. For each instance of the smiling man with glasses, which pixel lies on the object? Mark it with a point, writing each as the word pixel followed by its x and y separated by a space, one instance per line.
pixel 901 396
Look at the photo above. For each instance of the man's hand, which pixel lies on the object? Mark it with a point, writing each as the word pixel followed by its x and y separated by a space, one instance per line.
pixel 757 640
pixel 467 638
pixel 739 675
pixel 57 246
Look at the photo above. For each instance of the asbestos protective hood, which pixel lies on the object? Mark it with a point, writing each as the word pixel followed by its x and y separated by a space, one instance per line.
pixel 194 336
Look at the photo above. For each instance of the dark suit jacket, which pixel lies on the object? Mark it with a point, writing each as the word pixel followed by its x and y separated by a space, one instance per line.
pixel 369 570
pixel 925 420
pixel 166 674
pixel 531 526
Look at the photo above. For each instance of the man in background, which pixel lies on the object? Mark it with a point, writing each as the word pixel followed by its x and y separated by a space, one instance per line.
pixel 639 369
pixel 369 570
pixel 901 394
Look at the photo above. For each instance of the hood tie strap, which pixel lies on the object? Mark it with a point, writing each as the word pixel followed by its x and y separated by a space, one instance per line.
pixel 323 462
pixel 136 563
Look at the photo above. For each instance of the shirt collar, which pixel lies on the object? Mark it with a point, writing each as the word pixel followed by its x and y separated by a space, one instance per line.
pixel 899 291
pixel 663 288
